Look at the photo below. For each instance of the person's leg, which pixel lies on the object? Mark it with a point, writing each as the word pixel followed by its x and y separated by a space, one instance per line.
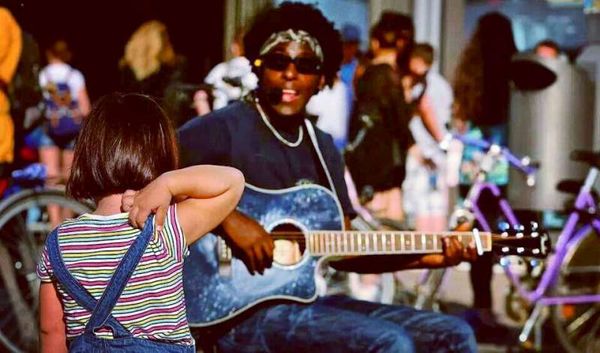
pixel 67 162
pixel 431 332
pixel 50 158
pixel 314 328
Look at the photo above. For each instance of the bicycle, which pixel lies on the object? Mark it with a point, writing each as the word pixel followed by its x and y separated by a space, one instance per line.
pixel 569 282
pixel 24 224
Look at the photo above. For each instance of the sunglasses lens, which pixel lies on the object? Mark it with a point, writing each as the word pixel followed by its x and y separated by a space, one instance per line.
pixel 277 62
pixel 280 62
pixel 308 65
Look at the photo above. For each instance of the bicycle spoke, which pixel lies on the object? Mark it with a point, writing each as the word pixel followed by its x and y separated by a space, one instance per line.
pixel 581 320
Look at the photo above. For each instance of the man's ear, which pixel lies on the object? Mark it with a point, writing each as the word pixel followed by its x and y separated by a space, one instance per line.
pixel 320 86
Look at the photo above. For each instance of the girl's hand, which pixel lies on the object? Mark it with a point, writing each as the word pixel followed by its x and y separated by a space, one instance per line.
pixel 154 198
pixel 127 200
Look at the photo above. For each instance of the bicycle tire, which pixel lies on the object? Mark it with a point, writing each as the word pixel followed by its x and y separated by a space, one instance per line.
pixel 21 239
pixel 577 326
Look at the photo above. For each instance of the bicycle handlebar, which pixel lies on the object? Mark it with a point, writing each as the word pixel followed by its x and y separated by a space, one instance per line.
pixel 524 164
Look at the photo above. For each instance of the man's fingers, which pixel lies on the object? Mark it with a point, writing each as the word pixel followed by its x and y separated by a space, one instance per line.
pixel 267 255
pixel 260 259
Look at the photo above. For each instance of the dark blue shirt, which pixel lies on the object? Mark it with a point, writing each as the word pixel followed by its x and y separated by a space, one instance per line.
pixel 236 136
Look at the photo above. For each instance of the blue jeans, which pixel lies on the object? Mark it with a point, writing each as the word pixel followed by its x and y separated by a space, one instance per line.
pixel 341 324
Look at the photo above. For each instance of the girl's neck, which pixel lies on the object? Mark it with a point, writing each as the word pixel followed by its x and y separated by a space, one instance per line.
pixel 109 205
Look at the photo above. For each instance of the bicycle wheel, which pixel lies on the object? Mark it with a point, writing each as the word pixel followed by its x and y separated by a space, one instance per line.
pixel 23 228
pixel 577 326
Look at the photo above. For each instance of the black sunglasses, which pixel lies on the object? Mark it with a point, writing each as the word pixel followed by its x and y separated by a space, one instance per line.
pixel 304 65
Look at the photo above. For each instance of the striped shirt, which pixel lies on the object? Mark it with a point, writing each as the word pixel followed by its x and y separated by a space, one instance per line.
pixel 152 304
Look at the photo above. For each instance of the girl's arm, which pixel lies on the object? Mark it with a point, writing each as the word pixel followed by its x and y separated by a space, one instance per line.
pixel 53 331
pixel 425 110
pixel 209 195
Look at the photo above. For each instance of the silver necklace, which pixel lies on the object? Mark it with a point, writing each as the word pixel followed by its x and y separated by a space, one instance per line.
pixel 275 132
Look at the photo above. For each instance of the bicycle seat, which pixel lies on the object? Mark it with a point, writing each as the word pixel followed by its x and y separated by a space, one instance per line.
pixel 589 157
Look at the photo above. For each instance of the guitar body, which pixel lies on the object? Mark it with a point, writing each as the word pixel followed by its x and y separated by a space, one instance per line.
pixel 213 297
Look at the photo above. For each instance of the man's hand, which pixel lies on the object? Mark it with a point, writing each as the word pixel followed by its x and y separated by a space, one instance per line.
pixel 249 241
pixel 454 253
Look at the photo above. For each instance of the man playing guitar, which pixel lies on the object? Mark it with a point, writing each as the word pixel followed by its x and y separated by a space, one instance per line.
pixel 295 51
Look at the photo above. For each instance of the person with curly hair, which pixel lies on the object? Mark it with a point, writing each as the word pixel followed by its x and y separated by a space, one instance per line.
pixel 295 51
pixel 481 110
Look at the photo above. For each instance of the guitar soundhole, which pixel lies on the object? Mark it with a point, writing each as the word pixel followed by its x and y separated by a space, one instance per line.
pixel 290 244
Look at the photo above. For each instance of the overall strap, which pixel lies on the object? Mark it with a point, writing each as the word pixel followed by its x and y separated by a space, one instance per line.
pixel 74 288
pixel 119 280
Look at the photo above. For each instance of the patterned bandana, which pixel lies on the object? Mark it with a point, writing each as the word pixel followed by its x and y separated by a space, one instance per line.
pixel 291 35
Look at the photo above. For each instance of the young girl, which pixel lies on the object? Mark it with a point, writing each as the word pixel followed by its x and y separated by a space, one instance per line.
pixel 126 144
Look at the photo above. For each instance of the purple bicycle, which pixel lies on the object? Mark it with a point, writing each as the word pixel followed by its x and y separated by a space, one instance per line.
pixel 568 284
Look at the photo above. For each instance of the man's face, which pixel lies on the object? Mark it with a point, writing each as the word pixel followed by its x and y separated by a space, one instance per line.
pixel 296 83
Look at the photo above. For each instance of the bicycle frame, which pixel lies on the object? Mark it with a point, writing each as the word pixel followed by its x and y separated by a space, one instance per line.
pixel 571 233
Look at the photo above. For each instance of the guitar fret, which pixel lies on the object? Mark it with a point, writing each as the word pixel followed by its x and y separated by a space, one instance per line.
pixel 346 243
pixel 339 242
pixel 360 246
pixel 393 244
pixel 322 243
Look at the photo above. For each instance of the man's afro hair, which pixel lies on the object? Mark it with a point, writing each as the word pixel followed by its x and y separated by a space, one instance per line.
pixel 297 16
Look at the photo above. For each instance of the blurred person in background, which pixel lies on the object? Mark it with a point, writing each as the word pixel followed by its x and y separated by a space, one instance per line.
pixel 234 78
pixel 425 190
pixel 547 49
pixel 10 51
pixel 150 64
pixel 350 59
pixel 379 135
pixel 65 105
pixel 482 99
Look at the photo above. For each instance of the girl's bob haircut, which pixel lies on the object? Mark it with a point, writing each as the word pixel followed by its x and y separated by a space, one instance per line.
pixel 126 142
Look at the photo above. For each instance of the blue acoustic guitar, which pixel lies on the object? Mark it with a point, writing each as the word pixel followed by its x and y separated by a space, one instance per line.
pixel 307 225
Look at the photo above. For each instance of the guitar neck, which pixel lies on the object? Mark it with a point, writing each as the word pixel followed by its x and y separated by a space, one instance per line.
pixel 345 243
pixel 353 243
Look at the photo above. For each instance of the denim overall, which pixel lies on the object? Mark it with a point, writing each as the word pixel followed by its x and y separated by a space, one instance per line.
pixel 101 310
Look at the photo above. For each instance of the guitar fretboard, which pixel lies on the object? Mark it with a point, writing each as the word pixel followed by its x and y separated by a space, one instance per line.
pixel 380 242
pixel 348 243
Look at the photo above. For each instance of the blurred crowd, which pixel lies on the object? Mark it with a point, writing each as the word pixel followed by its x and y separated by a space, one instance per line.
pixel 387 110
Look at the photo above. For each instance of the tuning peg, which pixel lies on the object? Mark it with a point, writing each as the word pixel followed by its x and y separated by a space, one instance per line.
pixel 503 226
pixel 533 225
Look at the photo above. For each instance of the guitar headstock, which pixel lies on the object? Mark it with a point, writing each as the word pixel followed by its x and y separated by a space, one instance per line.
pixel 521 240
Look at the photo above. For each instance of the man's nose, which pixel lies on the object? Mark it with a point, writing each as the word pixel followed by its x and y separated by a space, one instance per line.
pixel 290 71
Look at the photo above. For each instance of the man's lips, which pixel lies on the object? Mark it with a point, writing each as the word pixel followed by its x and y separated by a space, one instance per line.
pixel 289 95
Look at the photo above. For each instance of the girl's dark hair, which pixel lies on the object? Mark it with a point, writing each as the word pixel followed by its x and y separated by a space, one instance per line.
pixel 482 78
pixel 297 16
pixel 126 142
